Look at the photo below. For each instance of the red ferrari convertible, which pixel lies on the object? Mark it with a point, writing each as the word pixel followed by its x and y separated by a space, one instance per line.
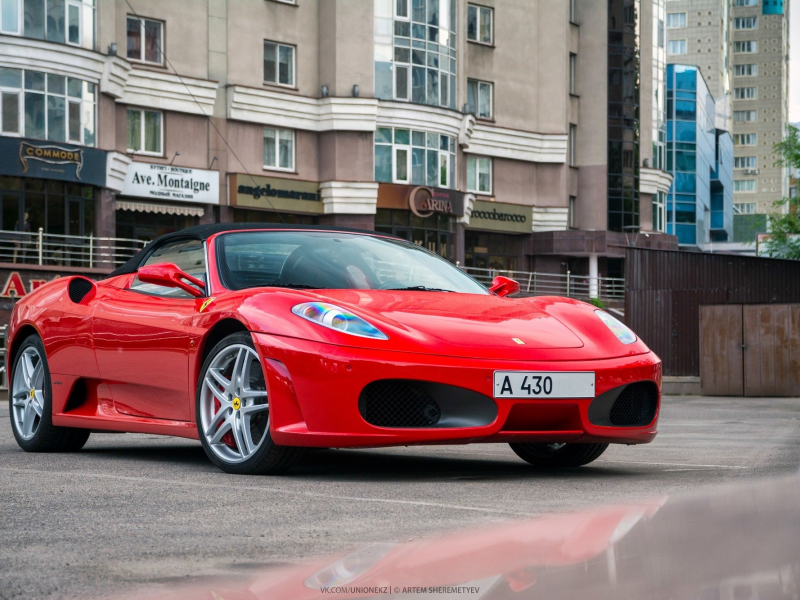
pixel 262 340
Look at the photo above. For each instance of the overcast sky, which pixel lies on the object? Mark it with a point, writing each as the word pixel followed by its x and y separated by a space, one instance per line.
pixel 794 62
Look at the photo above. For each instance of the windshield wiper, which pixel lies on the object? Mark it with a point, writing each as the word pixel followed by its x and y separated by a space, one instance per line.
pixel 418 288
pixel 295 286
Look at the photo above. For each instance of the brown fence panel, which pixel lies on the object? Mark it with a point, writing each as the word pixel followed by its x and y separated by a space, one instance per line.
pixel 721 350
pixel 771 340
pixel 665 289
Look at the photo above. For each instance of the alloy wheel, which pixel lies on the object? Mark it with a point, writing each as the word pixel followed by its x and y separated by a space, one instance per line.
pixel 27 393
pixel 234 409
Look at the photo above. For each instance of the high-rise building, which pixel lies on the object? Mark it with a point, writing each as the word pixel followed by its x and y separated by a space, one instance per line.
pixel 500 134
pixel 760 105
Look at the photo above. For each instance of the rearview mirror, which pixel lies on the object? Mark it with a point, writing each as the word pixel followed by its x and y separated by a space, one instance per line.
pixel 170 275
pixel 503 286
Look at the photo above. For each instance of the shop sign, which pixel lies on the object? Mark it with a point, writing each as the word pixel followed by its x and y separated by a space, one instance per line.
pixel 277 194
pixel 499 216
pixel 48 160
pixel 165 182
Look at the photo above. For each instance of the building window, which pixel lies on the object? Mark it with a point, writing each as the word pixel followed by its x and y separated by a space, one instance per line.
pixel 279 149
pixel 145 40
pixel 572 11
pixel 573 59
pixel 571 144
pixel 744 116
pixel 571 212
pixel 145 131
pixel 479 98
pixel 745 23
pixel 747 47
pixel 745 93
pixel 744 139
pixel 744 185
pixel 659 211
pixel 60 21
pixel 745 162
pixel 279 64
pixel 415 51
pixel 415 157
pixel 479 174
pixel 676 47
pixel 744 208
pixel 47 107
pixel 748 70
pixel 676 20
pixel 745 2
pixel 480 24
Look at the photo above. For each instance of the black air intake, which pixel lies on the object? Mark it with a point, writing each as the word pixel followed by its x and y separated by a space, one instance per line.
pixel 636 405
pixel 78 288
pixel 398 403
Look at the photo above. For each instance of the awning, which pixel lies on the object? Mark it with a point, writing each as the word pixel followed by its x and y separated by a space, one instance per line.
pixel 162 209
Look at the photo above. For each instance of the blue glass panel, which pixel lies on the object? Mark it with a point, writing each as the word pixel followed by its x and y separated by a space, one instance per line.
pixel 687 234
pixel 686 110
pixel 773 7
pixel 685 161
pixel 383 80
pixel 686 131
pixel 686 183
pixel 717 220
pixel 684 213
pixel 685 78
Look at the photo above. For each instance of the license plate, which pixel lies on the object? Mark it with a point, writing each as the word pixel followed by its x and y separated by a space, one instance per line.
pixel 543 384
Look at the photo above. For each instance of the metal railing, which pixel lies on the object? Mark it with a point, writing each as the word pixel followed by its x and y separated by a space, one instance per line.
pixel 609 289
pixel 65 250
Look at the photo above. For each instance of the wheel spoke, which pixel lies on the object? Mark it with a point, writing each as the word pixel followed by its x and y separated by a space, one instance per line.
pixel 37 402
pixel 212 385
pixel 250 410
pixel 236 374
pixel 239 437
pixel 245 394
pixel 27 420
pixel 37 377
pixel 20 400
pixel 226 426
pixel 27 369
pixel 220 379
pixel 247 436
pixel 218 418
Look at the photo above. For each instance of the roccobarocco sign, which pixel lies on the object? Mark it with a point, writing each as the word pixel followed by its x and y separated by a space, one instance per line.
pixel 499 216
pixel 165 182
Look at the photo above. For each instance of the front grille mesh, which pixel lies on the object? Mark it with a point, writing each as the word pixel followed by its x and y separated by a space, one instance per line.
pixel 635 406
pixel 398 403
pixel 78 288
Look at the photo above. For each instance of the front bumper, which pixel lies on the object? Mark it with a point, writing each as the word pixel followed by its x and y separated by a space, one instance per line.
pixel 314 392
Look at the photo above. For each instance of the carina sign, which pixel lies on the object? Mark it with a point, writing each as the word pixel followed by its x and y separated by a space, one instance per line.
pixel 165 182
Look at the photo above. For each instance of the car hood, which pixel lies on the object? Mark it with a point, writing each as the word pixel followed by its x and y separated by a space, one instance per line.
pixel 461 320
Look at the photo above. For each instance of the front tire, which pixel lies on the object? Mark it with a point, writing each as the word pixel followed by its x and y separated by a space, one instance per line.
pixel 232 411
pixel 558 456
pixel 30 404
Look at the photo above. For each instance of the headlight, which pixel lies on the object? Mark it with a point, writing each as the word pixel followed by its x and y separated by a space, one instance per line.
pixel 619 329
pixel 338 319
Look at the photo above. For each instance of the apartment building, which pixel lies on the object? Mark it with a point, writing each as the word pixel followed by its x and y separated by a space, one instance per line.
pixel 760 104
pixel 499 134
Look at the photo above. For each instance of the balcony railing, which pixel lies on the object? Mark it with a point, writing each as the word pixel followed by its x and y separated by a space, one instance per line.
pixel 609 289
pixel 54 249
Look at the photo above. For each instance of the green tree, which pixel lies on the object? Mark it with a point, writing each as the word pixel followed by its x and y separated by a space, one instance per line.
pixel 784 229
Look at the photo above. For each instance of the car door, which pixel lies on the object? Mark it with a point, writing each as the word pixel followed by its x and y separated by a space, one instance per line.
pixel 142 336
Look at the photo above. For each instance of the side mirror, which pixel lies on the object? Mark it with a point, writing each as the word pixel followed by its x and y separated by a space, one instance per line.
pixel 503 286
pixel 170 275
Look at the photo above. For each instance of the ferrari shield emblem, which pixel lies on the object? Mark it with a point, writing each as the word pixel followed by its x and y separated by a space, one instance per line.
pixel 519 341
pixel 206 303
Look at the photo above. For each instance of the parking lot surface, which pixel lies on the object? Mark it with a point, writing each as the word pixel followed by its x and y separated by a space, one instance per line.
pixel 138 511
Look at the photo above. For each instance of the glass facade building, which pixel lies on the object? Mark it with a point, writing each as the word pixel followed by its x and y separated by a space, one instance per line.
pixel 700 157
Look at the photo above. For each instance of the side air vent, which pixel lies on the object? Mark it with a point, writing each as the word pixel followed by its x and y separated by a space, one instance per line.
pixel 79 288
pixel 409 404
pixel 632 405
pixel 636 405
pixel 399 403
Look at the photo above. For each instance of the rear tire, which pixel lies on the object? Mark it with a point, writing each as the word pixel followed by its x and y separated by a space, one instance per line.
pixel 232 412
pixel 558 456
pixel 30 404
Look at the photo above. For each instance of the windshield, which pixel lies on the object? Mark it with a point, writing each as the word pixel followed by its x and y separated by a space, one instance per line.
pixel 331 260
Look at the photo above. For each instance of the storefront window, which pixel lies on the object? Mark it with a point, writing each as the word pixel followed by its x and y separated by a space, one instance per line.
pixel 146 226
pixel 415 157
pixel 415 51
pixel 48 107
pixel 434 233
pixel 496 251
pixel 61 21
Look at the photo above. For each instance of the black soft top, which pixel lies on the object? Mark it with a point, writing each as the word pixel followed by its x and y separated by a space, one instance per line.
pixel 203 232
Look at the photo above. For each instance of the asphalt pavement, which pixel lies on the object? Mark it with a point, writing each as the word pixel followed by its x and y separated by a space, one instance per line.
pixel 138 512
